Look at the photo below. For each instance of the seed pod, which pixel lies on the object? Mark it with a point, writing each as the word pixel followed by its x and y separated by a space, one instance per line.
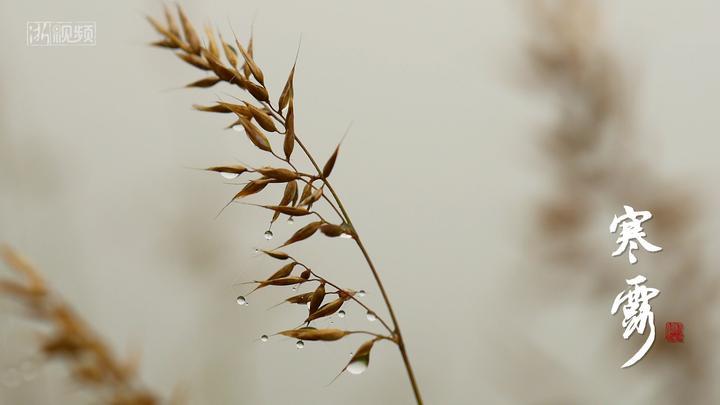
pixel 306 191
pixel 326 310
pixel 313 334
pixel 262 118
pixel 292 211
pixel 193 60
pixel 191 36
pixel 290 191
pixel 317 298
pixel 332 230
pixel 252 187
pixel 288 90
pixel 256 136
pixel 164 43
pixel 283 272
pixel 239 110
pixel 158 27
pixel 217 108
pixel 204 83
pixel 254 69
pixel 259 92
pixel 289 141
pixel 246 68
pixel 309 200
pixel 237 169
pixel 300 298
pixel 361 359
pixel 217 67
pixel 304 233
pixel 172 25
pixel 330 164
pixel 230 53
pixel 281 281
pixel 281 174
pixel 212 44
pixel 305 274
pixel 275 254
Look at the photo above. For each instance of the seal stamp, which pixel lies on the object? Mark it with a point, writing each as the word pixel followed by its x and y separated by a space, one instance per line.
pixel 674 332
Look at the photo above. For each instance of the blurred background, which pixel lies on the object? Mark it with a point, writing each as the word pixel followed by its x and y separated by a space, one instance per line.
pixel 492 143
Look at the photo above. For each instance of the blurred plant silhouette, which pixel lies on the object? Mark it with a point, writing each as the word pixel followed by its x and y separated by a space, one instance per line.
pixel 90 359
pixel 597 166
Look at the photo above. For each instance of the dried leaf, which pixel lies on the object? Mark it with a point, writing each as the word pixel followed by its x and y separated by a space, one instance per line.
pixel 304 233
pixel 326 310
pixel 256 136
pixel 313 334
pixel 205 83
pixel 327 169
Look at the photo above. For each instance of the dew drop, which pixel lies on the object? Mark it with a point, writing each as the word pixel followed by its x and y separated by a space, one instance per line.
pixel 358 366
pixel 295 289
pixel 241 300
pixel 238 128
pixel 291 221
pixel 361 293
pixel 341 313
pixel 371 316
pixel 264 338
pixel 300 344
pixel 268 234
pixel 345 235
pixel 229 176
pixel 308 304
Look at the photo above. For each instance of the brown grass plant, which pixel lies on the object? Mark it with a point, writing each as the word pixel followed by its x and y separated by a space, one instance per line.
pixel 263 118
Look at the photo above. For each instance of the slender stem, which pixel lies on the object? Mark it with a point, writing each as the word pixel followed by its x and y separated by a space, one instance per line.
pixel 397 333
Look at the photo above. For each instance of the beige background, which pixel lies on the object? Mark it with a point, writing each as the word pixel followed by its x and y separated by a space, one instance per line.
pixel 441 173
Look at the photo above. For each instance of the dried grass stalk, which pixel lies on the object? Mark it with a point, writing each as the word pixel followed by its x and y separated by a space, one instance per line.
pixel 262 121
